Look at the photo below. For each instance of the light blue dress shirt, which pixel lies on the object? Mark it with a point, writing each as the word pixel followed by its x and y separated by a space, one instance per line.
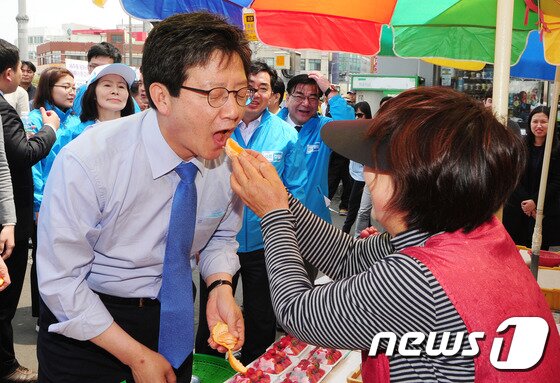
pixel 105 216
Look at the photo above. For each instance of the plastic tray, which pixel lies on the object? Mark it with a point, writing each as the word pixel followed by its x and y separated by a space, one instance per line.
pixel 211 369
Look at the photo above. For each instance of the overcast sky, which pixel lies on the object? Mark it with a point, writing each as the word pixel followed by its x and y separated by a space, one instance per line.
pixel 53 13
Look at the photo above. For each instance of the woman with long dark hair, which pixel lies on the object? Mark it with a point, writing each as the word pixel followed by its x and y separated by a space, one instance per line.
pixel 56 91
pixel 520 209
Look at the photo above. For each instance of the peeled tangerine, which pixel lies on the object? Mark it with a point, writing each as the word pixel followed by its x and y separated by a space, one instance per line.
pixel 222 336
pixel 1 281
pixel 232 148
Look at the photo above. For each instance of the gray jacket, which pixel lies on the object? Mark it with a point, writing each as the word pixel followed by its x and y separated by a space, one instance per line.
pixel 7 207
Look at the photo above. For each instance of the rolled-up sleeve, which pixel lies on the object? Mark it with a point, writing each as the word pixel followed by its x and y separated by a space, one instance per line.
pixel 220 254
pixel 68 228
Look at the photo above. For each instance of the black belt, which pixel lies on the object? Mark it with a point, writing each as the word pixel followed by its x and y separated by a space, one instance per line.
pixel 138 302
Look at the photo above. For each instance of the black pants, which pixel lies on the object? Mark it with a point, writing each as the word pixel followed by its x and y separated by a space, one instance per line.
pixel 67 360
pixel 353 205
pixel 260 321
pixel 9 298
pixel 338 171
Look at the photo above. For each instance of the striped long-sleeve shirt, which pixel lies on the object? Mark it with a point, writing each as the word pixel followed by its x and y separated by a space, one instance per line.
pixel 375 289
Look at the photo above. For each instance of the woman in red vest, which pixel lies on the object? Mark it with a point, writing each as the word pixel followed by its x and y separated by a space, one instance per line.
pixel 434 298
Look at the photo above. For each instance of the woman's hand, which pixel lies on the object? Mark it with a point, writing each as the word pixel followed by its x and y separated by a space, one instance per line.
pixel 528 206
pixel 257 183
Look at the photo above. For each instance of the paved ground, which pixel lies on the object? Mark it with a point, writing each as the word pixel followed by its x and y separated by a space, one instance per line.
pixel 25 336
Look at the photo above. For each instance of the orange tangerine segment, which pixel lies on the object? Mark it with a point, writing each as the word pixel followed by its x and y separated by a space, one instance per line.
pixel 236 364
pixel 222 336
pixel 1 281
pixel 233 149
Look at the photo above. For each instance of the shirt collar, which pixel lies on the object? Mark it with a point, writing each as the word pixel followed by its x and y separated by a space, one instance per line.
pixel 290 121
pixel 62 115
pixel 161 157
pixel 413 237
pixel 256 122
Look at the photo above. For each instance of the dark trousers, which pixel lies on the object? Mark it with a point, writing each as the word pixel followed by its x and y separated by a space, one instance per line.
pixel 9 298
pixel 353 205
pixel 338 171
pixel 260 321
pixel 67 360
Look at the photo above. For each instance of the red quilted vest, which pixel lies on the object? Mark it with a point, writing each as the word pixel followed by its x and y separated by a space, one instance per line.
pixel 487 282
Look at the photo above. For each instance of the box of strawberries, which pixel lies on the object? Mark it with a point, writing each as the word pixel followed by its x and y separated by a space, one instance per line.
pixel 290 360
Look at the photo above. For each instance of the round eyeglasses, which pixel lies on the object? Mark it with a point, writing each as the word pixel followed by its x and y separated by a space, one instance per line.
pixel 300 97
pixel 67 87
pixel 217 97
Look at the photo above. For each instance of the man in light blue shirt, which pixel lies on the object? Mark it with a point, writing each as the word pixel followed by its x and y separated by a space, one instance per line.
pixel 107 203
pixel 275 139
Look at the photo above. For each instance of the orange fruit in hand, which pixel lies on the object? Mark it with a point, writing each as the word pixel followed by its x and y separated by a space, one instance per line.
pixel 233 149
pixel 236 364
pixel 222 336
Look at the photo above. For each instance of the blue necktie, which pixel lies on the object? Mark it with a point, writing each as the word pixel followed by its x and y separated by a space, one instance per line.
pixel 176 327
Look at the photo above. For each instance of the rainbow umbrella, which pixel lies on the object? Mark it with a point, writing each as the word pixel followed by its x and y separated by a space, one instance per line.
pixel 154 10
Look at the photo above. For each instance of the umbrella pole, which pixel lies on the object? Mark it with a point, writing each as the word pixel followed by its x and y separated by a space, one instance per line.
pixel 537 232
pixel 502 58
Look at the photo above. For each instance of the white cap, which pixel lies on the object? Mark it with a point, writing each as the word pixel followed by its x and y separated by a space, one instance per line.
pixel 122 70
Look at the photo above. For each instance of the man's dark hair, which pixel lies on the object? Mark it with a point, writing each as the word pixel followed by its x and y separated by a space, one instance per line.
pixel 9 56
pixel 187 40
pixel 488 93
pixel 135 88
pixel 453 164
pixel 104 49
pixel 302 79
pixel 260 66
pixel 384 100
pixel 89 104
pixel 30 65
pixel 279 88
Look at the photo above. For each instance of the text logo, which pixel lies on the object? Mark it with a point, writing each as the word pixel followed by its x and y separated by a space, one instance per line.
pixel 526 349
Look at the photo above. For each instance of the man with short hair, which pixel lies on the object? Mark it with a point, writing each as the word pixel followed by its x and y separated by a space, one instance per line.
pixel 99 54
pixel 276 140
pixel 142 196
pixel 302 102
pixel 21 155
pixel 278 90
pixel 28 70
pixel 351 94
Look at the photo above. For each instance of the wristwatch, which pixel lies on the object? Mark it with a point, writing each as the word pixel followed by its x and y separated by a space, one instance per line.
pixel 330 89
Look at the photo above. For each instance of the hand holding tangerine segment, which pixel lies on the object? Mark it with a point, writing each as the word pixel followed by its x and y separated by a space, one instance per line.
pixel 222 336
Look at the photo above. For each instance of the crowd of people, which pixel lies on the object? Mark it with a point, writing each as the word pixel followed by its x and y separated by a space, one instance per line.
pixel 124 188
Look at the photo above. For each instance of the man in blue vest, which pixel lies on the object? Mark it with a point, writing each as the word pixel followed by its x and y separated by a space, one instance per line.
pixel 302 101
pixel 276 140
